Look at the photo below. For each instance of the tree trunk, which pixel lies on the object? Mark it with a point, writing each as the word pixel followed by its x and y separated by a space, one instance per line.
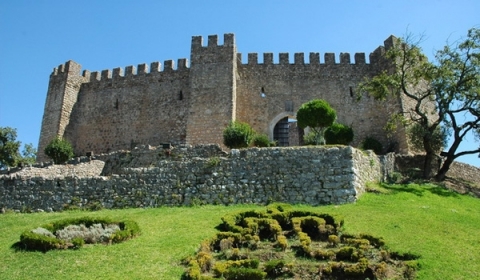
pixel 442 173
pixel 429 166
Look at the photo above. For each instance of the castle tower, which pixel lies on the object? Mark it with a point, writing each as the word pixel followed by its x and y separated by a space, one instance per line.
pixel 63 88
pixel 213 89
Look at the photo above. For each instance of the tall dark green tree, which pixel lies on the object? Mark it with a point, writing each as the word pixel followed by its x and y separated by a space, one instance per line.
pixel 318 115
pixel 451 84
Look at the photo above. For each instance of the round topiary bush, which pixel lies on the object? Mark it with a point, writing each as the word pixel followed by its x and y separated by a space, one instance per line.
pixel 73 233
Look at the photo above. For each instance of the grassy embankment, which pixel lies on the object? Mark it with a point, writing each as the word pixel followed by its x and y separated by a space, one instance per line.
pixel 442 226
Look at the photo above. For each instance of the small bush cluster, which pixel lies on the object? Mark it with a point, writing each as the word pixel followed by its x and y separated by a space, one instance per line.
pixel 338 133
pixel 73 233
pixel 59 150
pixel 241 135
pixel 371 143
pixel 257 245
pixel 237 135
pixel 261 140
pixel 97 233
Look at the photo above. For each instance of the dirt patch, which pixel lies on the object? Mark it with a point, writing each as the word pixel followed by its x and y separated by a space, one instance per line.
pixel 462 186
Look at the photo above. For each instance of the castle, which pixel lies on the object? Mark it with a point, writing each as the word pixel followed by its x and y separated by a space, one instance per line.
pixel 193 102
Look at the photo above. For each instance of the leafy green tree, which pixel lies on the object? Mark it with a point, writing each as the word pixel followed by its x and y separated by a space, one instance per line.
pixel 60 150
pixel 238 135
pixel 339 133
pixel 29 154
pixel 318 115
pixel 452 85
pixel 9 154
pixel 9 149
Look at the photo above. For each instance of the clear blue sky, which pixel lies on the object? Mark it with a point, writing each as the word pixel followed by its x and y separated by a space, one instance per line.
pixel 38 35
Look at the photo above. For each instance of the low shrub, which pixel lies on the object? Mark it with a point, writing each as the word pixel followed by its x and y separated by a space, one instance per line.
pixel 277 268
pixel 339 134
pixel 309 225
pixel 357 269
pixel 265 235
pixel 311 138
pixel 59 150
pixel 345 253
pixel 282 242
pixel 261 140
pixel 67 233
pixel 78 242
pixel 357 242
pixel 323 254
pixel 237 135
pixel 371 143
pixel 221 267
pixel 39 242
pixel 333 240
pixel 264 228
pixel 243 273
pixel 278 207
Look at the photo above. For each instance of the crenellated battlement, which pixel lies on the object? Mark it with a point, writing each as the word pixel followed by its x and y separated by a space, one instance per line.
pixel 119 72
pixel 299 59
pixel 228 40
pixel 69 67
pixel 192 101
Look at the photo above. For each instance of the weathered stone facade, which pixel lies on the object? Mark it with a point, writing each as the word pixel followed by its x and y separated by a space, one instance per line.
pixel 110 110
pixel 151 177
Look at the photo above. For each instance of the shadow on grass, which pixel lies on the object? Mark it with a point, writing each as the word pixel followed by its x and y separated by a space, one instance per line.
pixel 20 247
pixel 419 190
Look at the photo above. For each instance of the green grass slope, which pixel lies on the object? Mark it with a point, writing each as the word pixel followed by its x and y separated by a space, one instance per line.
pixel 442 226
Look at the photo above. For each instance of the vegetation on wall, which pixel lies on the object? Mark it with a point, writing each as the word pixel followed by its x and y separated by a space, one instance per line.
pixel 59 150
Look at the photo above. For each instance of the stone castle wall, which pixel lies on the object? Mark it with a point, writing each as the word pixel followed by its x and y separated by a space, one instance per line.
pixel 118 109
pixel 151 177
pixel 286 87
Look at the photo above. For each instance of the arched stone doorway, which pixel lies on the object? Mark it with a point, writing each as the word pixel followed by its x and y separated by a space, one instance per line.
pixel 284 131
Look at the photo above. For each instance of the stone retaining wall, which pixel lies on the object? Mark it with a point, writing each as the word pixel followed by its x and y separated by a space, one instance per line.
pixel 151 177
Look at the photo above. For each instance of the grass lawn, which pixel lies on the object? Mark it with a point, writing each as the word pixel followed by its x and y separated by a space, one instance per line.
pixel 442 226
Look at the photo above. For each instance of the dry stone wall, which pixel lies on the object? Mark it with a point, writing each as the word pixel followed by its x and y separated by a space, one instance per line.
pixel 153 176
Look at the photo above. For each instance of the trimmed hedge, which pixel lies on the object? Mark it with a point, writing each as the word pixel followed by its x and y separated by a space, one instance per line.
pixel 42 241
pixel 282 242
